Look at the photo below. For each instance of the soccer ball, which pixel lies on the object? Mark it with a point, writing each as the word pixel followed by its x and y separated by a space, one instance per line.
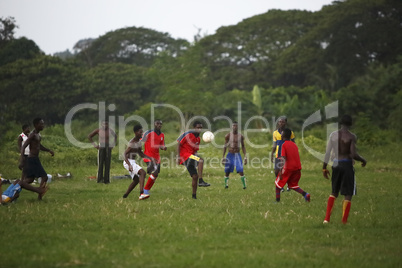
pixel 208 136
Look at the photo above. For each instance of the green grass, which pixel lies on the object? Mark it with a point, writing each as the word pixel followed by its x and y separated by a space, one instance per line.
pixel 84 224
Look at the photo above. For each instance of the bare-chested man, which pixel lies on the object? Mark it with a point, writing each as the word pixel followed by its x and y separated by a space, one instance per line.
pixel 136 171
pixel 107 140
pixel 33 167
pixel 342 147
pixel 233 141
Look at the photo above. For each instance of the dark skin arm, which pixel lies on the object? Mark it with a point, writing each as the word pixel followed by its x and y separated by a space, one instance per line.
pixel 19 142
pixel 243 148
pixel 91 135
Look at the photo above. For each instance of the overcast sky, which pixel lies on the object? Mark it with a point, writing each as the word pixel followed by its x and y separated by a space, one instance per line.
pixel 56 25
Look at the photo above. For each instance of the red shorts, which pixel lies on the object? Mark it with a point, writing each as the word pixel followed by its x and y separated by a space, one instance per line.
pixel 291 177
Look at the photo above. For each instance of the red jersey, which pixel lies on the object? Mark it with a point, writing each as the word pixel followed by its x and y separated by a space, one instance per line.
pixel 189 144
pixel 291 152
pixel 152 142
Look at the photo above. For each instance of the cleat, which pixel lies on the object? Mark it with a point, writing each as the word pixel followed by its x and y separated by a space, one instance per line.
pixel 288 189
pixel 307 197
pixel 226 187
pixel 144 196
pixel 325 222
pixel 282 190
pixel 194 196
pixel 244 188
pixel 203 184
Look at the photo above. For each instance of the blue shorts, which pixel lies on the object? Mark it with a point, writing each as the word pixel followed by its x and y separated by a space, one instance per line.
pixel 232 161
pixel 11 191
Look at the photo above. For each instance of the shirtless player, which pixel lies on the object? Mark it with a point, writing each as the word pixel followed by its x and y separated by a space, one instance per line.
pixel 136 171
pixel 233 141
pixel 33 167
pixel 342 145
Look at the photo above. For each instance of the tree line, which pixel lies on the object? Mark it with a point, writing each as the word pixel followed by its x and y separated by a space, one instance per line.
pixel 280 62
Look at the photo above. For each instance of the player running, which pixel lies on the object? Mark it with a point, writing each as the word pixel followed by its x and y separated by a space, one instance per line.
pixel 289 167
pixel 233 141
pixel 154 140
pixel 136 171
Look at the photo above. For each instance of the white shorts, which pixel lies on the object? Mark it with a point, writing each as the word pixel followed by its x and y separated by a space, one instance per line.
pixel 136 167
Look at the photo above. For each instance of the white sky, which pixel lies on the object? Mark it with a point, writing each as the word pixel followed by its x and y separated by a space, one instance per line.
pixel 56 25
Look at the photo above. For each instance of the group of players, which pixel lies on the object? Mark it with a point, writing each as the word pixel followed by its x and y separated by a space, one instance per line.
pixel 341 148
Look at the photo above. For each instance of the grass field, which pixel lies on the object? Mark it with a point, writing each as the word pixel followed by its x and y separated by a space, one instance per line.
pixel 84 224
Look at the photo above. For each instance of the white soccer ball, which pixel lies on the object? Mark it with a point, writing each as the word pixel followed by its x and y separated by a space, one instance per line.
pixel 208 136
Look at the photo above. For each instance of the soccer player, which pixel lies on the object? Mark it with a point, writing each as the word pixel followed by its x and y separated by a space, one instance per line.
pixel 277 143
pixel 107 140
pixel 342 145
pixel 136 171
pixel 188 145
pixel 33 167
pixel 289 167
pixel 233 141
pixel 154 140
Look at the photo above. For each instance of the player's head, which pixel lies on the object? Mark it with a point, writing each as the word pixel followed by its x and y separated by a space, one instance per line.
pixel 25 128
pixel 137 130
pixel 197 126
pixel 282 121
pixel 158 124
pixel 235 126
pixel 346 120
pixel 286 134
pixel 38 123
pixel 105 124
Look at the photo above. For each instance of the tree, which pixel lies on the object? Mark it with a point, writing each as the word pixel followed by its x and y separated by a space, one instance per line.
pixel 7 27
pixel 139 46
pixel 21 48
pixel 245 54
pixel 44 86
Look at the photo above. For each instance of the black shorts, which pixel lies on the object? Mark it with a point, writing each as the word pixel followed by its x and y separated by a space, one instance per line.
pixel 33 168
pixel 343 178
pixel 152 167
pixel 278 164
pixel 191 165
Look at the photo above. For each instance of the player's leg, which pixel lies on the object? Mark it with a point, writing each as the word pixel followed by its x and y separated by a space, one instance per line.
pixel 101 162
pixel 200 167
pixel 336 180
pixel 131 186
pixel 134 177
pixel 229 167
pixel 293 183
pixel 279 183
pixel 194 185
pixel 348 189
pixel 108 160
pixel 153 170
pixel 239 169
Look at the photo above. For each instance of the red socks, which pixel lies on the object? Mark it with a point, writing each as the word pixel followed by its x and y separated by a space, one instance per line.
pixel 330 204
pixel 150 183
pixel 346 209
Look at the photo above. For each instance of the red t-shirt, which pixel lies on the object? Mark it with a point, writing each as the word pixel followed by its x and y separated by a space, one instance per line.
pixel 291 152
pixel 152 142
pixel 189 144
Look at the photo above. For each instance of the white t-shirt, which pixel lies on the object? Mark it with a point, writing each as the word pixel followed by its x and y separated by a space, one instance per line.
pixel 24 138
